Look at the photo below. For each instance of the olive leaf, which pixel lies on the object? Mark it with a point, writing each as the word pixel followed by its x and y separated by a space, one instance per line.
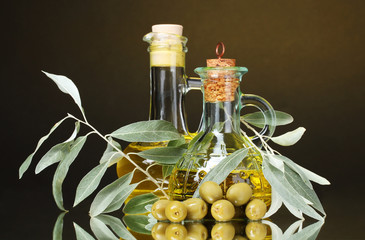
pixel 147 131
pixel 81 234
pixel 308 193
pixel 289 138
pixel 308 233
pixel 167 170
pixel 119 199
pixel 67 86
pixel 58 227
pixel 257 119
pixel 288 194
pixel 106 195
pixel 117 226
pixel 314 177
pixel 137 223
pixel 137 204
pixel 163 155
pixel 292 228
pixel 54 155
pixel 276 203
pixel 223 169
pixel 101 231
pixel 90 182
pixel 290 164
pixel 57 152
pixel 25 165
pixel 63 168
pixel 177 143
pixel 110 154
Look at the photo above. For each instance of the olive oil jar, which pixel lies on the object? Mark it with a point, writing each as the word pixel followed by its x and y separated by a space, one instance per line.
pixel 221 134
pixel 168 86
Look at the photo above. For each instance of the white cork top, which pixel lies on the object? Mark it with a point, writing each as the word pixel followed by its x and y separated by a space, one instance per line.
pixel 168 28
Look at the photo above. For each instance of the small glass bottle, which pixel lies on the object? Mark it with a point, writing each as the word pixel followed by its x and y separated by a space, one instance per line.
pixel 168 86
pixel 221 134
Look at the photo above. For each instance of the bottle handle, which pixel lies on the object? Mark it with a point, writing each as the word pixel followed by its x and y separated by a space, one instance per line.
pixel 193 83
pixel 251 100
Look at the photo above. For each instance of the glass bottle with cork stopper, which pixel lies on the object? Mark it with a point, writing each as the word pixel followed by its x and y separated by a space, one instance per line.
pixel 168 87
pixel 221 133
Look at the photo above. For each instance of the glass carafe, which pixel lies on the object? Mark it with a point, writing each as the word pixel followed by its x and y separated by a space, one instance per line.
pixel 168 86
pixel 221 135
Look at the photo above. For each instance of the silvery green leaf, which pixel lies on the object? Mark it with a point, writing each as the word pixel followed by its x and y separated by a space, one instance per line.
pixel 74 133
pixel 295 211
pixel 292 229
pixel 289 138
pixel 223 169
pixel 81 234
pixel 117 226
pixel 106 195
pixel 137 223
pixel 275 161
pixel 54 155
pixel 308 233
pixel 195 139
pixel 148 207
pixel 101 231
pixel 57 152
pixel 151 218
pixel 276 232
pixel 67 86
pixel 276 204
pixel 294 167
pixel 25 165
pixel 109 147
pixel 302 189
pixel 149 226
pixel 163 155
pixel 314 177
pixel 58 227
pixel 111 157
pixel 119 200
pixel 62 170
pixel 257 119
pixel 90 182
pixel 177 143
pixel 147 131
pixel 167 170
pixel 287 193
pixel 137 204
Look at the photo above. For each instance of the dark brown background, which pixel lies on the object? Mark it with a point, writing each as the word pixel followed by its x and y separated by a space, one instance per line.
pixel 306 57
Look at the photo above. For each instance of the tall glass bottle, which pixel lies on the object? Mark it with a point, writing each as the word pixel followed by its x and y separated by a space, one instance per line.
pixel 168 86
pixel 221 136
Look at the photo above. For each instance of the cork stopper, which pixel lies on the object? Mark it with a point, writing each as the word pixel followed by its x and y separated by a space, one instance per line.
pixel 219 61
pixel 168 28
pixel 221 84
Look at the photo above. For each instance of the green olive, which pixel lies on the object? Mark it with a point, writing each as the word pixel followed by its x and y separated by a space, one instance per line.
pixel 176 211
pixel 222 210
pixel 256 231
pixel 210 192
pixel 158 231
pixel 239 237
pixel 197 208
pixel 255 209
pixel 239 194
pixel 158 209
pixel 197 231
pixel 223 231
pixel 176 232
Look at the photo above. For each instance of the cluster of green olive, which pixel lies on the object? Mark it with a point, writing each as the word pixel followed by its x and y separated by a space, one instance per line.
pixel 222 210
pixel 220 231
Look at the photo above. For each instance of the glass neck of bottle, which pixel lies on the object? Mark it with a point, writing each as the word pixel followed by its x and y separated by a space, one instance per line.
pixel 222 107
pixel 168 82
